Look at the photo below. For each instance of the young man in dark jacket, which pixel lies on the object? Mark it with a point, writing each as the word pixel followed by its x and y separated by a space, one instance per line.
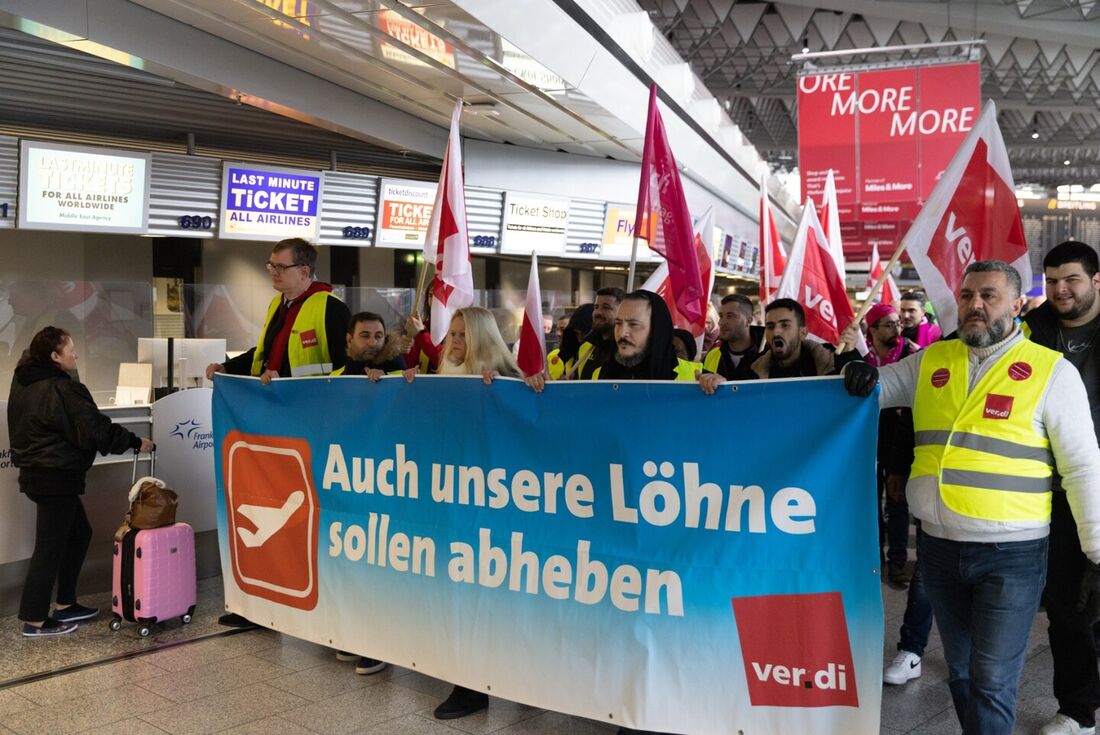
pixel 371 351
pixel 55 431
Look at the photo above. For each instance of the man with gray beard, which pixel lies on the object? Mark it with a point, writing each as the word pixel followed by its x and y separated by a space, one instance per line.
pixel 992 413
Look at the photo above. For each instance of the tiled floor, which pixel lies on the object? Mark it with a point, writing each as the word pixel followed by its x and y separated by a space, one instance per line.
pixel 194 679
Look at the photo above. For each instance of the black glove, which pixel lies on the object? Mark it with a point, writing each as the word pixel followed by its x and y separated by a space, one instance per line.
pixel 860 378
pixel 1088 597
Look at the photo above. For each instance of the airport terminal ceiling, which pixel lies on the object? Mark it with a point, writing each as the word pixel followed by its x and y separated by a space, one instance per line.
pixel 1039 63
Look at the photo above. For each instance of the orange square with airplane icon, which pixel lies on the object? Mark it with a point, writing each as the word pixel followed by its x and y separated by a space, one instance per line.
pixel 273 517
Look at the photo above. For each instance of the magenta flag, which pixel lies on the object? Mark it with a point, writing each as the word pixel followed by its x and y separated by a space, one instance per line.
pixel 660 192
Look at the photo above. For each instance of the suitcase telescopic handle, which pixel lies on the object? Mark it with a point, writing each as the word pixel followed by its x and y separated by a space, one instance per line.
pixel 152 464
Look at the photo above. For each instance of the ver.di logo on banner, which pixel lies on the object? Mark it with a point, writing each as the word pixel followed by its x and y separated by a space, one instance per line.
pixel 273 516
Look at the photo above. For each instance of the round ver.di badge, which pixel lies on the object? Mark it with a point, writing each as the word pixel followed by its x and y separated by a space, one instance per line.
pixel 1019 371
pixel 940 377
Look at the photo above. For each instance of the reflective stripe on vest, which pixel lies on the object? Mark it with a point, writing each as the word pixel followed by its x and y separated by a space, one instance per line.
pixel 982 446
pixel 711 361
pixel 309 359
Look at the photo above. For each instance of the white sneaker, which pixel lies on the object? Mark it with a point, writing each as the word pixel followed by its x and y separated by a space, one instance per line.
pixel 1065 725
pixel 905 666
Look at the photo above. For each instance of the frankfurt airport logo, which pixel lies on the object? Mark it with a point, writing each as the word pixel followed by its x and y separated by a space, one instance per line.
pixel 796 650
pixel 273 517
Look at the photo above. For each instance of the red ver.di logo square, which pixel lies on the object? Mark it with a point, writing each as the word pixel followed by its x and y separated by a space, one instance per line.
pixel 273 517
pixel 796 650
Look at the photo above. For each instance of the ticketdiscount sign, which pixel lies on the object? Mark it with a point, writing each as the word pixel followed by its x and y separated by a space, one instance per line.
pixel 266 203
pixel 64 187
pixel 647 577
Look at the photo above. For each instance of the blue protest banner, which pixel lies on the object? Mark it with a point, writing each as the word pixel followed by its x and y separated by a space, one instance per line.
pixel 635 553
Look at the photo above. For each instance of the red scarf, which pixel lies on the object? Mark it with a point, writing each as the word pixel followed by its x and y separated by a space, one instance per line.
pixel 274 359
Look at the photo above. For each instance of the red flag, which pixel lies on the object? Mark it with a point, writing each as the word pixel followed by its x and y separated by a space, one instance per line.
pixel 532 338
pixel 889 293
pixel 661 191
pixel 660 283
pixel 971 215
pixel 447 242
pixel 772 258
pixel 812 279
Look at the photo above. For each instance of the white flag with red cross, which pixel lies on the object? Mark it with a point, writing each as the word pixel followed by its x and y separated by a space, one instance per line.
pixel 971 215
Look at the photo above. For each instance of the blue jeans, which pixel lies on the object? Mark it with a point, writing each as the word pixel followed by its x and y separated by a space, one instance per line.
pixel 984 597
pixel 917 623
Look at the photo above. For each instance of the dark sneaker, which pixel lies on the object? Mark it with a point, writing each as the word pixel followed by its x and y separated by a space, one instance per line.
pixel 897 574
pixel 233 620
pixel 462 702
pixel 346 656
pixel 50 627
pixel 369 666
pixel 75 612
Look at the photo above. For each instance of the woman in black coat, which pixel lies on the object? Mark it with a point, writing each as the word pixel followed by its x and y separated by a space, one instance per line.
pixel 55 431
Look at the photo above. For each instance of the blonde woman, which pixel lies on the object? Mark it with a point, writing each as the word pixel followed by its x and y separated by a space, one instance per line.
pixel 474 347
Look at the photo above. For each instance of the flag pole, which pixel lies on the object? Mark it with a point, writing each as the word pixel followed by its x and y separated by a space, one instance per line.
pixel 894 259
pixel 633 263
pixel 420 288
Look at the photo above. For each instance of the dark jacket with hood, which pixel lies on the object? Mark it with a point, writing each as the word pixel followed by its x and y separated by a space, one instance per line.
pixel 815 359
pixel 56 430
pixel 660 360
pixel 388 360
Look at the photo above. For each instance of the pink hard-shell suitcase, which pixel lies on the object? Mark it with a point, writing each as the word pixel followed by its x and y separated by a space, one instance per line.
pixel 153 576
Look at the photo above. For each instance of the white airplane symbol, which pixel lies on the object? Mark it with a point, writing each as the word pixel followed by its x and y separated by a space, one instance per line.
pixel 268 521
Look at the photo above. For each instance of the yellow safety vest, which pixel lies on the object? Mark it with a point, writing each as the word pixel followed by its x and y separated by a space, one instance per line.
pixel 308 345
pixel 710 362
pixel 982 447
pixel 685 370
pixel 555 366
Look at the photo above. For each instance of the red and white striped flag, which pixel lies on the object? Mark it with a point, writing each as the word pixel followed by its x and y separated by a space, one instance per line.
pixel 830 224
pixel 889 293
pixel 532 338
pixel 812 279
pixel 971 215
pixel 447 242
pixel 661 191
pixel 773 259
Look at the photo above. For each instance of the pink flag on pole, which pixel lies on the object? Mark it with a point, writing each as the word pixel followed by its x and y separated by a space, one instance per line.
pixel 661 192
pixel 660 283
pixel 772 257
pixel 889 293
pixel 971 215
pixel 447 242
pixel 532 338
pixel 812 279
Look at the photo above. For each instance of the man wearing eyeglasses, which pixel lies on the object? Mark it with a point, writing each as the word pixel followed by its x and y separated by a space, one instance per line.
pixel 305 326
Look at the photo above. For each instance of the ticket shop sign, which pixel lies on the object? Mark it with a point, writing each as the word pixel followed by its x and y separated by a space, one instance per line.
pixel 404 211
pixel 64 187
pixel 534 222
pixel 618 234
pixel 266 203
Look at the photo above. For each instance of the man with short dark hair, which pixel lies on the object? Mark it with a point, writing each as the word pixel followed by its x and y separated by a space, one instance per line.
pixel 602 336
pixel 993 414
pixel 1068 322
pixel 790 353
pixel 303 333
pixel 915 324
pixel 371 351
pixel 738 341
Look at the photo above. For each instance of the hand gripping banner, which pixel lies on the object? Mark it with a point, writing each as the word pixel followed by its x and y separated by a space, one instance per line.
pixel 635 553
